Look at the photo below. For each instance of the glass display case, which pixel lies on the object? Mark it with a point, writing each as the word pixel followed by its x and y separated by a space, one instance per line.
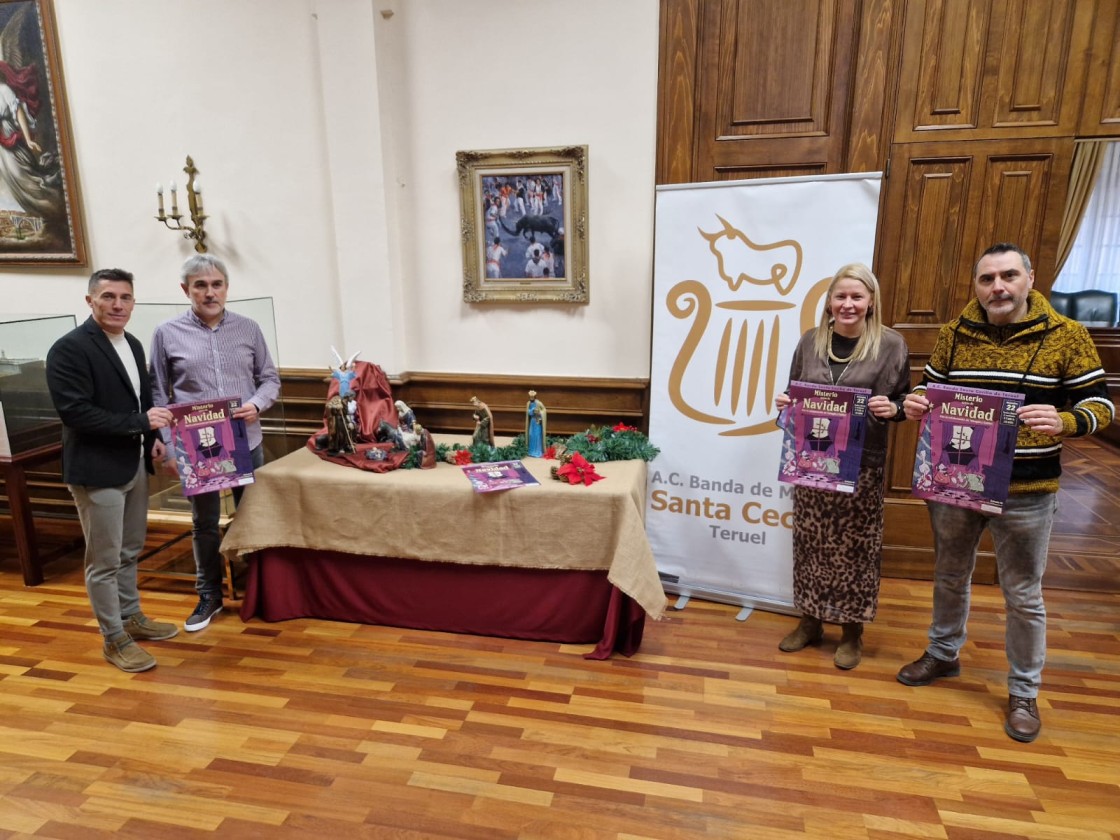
pixel 27 417
pixel 30 431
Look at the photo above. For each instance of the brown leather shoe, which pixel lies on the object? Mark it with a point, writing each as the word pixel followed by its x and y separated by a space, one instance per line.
pixel 928 668
pixel 1023 723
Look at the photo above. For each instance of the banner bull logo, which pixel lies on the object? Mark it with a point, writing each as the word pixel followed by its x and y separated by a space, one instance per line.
pixel 733 379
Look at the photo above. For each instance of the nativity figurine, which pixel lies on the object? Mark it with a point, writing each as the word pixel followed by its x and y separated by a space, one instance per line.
pixel 483 423
pixel 536 426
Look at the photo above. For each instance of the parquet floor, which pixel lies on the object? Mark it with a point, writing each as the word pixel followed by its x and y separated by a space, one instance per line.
pixel 311 729
pixel 1085 543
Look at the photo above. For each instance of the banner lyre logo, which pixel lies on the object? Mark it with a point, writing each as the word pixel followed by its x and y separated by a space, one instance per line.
pixel 728 363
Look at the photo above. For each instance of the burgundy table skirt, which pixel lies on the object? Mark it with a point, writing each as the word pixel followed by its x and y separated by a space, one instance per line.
pixel 555 605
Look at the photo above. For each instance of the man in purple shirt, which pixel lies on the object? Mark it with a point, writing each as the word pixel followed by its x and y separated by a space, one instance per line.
pixel 206 353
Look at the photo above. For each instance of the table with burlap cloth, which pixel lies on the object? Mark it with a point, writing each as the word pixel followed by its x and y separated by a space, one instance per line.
pixel 302 501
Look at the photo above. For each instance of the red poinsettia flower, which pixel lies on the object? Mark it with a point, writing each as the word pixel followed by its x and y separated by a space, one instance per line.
pixel 550 453
pixel 622 427
pixel 578 471
pixel 463 457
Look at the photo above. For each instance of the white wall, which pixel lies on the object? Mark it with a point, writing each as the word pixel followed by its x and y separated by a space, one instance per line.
pixel 325 133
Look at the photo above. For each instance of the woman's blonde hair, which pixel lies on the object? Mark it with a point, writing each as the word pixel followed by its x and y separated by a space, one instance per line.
pixel 868 345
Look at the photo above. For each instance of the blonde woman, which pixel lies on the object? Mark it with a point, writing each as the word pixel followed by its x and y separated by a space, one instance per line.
pixel 838 537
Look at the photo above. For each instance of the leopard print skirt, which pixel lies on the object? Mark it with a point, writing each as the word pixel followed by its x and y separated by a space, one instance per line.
pixel 837 550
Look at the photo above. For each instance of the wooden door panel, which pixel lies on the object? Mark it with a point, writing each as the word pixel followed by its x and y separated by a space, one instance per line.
pixel 1100 115
pixel 676 97
pixel 981 69
pixel 942 64
pixel 925 224
pixel 773 87
pixel 1031 41
pixel 946 202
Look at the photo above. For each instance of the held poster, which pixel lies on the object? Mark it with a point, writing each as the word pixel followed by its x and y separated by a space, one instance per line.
pixel 966 447
pixel 210 447
pixel 823 441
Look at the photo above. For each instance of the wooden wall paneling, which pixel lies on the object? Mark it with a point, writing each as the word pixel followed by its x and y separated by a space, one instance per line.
pixel 1100 112
pixel 871 102
pixel 1022 200
pixel 923 229
pixel 442 404
pixel 948 201
pixel 1040 66
pixel 442 401
pixel 676 109
pixel 942 63
pixel 773 87
pixel 982 69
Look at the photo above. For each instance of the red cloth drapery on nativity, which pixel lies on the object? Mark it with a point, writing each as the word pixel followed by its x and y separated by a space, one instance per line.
pixel 375 403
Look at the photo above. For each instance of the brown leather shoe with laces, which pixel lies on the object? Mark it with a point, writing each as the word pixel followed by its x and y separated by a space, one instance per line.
pixel 928 668
pixel 1023 723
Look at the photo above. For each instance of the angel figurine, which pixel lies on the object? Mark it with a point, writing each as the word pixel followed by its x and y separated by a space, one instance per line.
pixel 344 372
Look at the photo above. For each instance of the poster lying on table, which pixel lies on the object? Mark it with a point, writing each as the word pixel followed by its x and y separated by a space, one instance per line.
pixel 499 475
pixel 966 447
pixel 823 436
pixel 210 447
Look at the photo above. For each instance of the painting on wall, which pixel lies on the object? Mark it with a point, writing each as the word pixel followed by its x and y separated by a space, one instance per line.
pixel 524 225
pixel 40 210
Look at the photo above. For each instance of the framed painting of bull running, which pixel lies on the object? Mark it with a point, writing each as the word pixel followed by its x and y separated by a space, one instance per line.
pixel 524 217
pixel 40 210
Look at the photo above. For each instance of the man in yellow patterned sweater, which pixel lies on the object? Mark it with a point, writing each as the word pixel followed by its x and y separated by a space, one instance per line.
pixel 1009 338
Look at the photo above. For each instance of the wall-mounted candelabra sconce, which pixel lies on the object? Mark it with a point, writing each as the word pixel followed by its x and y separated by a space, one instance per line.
pixel 173 220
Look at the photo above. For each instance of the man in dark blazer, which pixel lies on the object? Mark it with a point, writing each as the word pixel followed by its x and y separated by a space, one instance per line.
pixel 99 385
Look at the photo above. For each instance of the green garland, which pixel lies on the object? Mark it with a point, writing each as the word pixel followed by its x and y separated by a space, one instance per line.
pixel 484 453
pixel 598 444
pixel 622 443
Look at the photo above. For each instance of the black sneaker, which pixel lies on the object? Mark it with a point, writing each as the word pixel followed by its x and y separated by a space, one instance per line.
pixel 208 607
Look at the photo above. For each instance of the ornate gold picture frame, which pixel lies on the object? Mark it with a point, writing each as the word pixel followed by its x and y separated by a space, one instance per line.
pixel 40 209
pixel 524 225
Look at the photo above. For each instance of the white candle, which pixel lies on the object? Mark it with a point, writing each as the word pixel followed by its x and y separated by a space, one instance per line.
pixel 174 200
pixel 159 195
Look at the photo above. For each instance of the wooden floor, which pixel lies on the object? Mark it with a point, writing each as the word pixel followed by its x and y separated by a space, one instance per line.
pixel 1085 543
pixel 309 729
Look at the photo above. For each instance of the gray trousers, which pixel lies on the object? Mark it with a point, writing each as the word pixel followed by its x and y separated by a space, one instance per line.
pixel 1022 537
pixel 114 522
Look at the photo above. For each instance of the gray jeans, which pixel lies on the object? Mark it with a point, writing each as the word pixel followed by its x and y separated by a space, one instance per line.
pixel 114 523
pixel 206 513
pixel 1021 536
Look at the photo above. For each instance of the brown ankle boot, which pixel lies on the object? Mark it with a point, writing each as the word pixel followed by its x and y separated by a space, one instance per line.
pixel 808 632
pixel 850 651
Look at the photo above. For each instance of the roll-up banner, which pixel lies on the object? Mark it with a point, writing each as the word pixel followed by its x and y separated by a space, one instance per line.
pixel 740 272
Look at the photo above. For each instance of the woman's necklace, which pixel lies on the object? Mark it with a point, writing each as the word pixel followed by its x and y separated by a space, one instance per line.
pixel 838 359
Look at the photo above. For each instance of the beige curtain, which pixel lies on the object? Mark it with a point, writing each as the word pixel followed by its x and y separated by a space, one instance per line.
pixel 1087 157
